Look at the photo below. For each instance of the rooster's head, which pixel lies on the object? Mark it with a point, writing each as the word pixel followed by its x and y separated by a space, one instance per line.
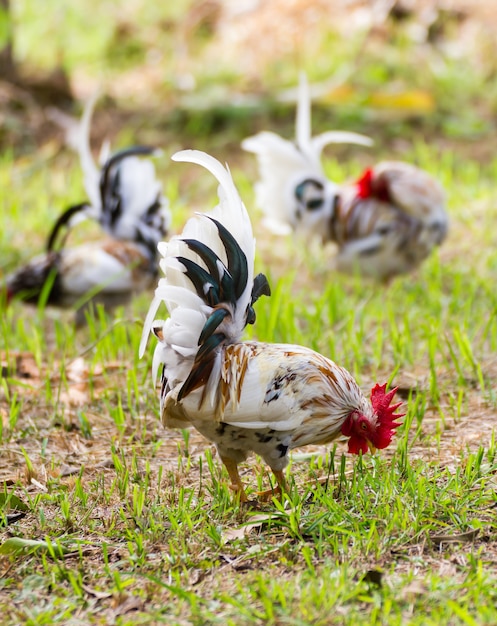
pixel 377 431
pixel 371 186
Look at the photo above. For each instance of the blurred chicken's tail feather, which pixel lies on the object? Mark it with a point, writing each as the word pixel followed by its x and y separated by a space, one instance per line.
pixel 313 146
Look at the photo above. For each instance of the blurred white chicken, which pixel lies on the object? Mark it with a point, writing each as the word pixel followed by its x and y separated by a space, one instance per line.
pixel 245 396
pixel 384 224
pixel 293 191
pixel 126 199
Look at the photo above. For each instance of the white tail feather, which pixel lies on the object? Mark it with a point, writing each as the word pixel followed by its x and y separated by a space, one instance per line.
pixel 80 141
pixel 139 187
pixel 231 211
pixel 313 146
pixel 282 167
pixel 303 129
pixel 77 137
pixel 188 313
pixel 338 136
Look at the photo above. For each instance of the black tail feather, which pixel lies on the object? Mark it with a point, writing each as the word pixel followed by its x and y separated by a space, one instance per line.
pixel 205 253
pixel 217 285
pixel 225 281
pixel 212 324
pixel 109 181
pixel 116 158
pixel 205 285
pixel 260 287
pixel 63 220
pixel 237 261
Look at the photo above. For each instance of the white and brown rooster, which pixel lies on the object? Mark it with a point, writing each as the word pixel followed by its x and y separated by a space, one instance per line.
pixel 245 396
pixel 384 224
pixel 126 199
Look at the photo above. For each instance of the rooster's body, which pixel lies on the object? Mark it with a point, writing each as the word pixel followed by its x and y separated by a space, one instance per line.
pixel 389 221
pixel 245 396
pixel 78 275
pixel 385 224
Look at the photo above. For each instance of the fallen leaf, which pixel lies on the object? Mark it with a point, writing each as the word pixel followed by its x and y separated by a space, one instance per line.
pixel 19 364
pixel 37 483
pixel 17 545
pixel 74 396
pixel 69 470
pixel 9 501
pixel 239 564
pixel 77 370
pixel 414 100
pixel 256 521
pixel 123 605
pixel 197 576
pixel 232 534
pixel 341 94
pixel 407 384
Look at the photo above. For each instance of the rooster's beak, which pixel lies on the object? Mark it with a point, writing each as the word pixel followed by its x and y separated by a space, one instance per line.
pixel 372 449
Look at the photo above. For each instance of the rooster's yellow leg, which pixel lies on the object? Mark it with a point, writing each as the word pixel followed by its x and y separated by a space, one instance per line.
pixel 236 481
pixel 280 479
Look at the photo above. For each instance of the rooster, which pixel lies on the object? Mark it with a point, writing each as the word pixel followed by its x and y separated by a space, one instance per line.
pixel 385 224
pixel 127 202
pixel 293 190
pixel 245 396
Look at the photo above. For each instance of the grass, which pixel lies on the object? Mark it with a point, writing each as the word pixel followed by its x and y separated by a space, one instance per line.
pixel 123 522
pixel 136 524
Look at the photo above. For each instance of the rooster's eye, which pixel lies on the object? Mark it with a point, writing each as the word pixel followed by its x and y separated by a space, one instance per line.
pixel 364 426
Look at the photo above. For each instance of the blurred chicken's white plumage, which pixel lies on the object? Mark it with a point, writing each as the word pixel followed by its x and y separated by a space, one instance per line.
pixel 245 396
pixel 107 272
pixel 293 190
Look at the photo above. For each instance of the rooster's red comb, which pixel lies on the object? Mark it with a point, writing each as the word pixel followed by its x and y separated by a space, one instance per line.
pixel 381 404
pixel 365 184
